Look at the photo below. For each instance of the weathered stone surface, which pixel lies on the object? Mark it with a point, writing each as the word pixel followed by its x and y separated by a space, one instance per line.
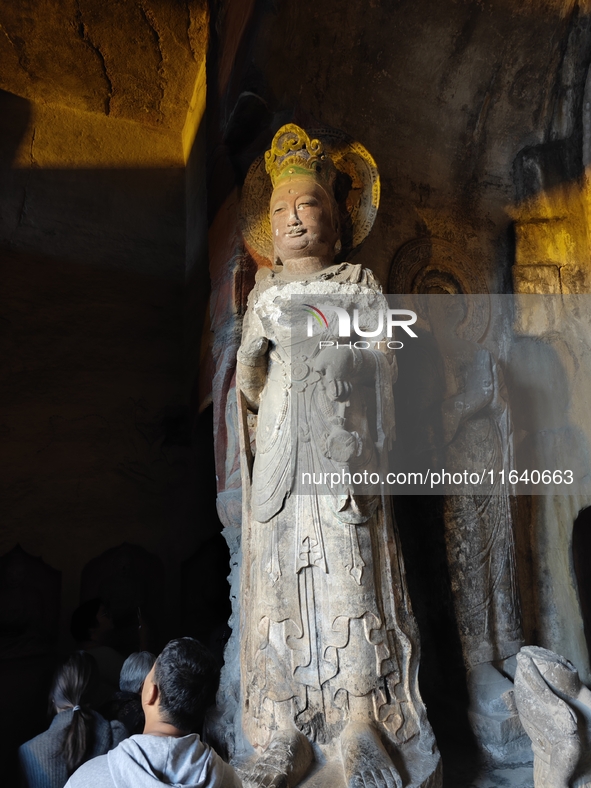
pixel 83 187
pixel 552 257
pixel 547 373
pixel 555 708
pixel 93 158
pixel 132 60
pixel 459 412
pixel 470 422
pixel 443 94
pixel 538 278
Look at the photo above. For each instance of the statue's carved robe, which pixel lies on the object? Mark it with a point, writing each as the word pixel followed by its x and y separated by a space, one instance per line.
pixel 325 612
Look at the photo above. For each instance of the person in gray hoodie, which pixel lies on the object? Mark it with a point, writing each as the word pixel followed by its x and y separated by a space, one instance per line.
pixel 175 696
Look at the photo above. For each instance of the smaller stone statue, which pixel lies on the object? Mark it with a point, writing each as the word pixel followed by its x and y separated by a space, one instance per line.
pixel 555 710
pixel 476 432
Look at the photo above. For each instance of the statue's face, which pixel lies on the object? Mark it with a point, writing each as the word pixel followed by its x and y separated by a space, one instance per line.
pixel 301 220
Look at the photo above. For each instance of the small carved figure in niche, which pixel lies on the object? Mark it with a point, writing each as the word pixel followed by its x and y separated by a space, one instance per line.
pixel 329 645
pixel 555 710
pixel 476 434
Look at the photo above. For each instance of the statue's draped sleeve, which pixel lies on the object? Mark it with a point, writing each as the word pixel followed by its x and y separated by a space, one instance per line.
pixel 252 355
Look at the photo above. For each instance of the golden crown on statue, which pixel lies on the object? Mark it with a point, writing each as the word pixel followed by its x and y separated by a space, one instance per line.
pixel 293 153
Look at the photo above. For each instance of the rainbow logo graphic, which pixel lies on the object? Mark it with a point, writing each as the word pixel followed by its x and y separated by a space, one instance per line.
pixel 316 314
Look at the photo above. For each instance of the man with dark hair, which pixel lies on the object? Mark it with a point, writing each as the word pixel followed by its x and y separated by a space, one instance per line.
pixel 134 671
pixel 175 696
pixel 126 704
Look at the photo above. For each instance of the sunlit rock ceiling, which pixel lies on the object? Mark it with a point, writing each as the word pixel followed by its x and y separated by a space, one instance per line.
pixel 132 59
pixel 135 62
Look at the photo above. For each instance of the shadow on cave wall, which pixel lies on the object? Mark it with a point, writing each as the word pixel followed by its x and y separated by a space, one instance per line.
pixel 99 339
pixel 581 557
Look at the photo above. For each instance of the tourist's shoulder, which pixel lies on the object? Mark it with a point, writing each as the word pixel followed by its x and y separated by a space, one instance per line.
pixel 119 731
pixel 26 750
pixel 107 733
pixel 94 773
pixel 47 741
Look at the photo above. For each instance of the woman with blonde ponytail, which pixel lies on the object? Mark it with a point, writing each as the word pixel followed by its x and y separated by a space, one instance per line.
pixel 76 734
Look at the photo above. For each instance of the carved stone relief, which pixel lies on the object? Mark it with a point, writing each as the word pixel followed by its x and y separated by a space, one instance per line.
pixel 469 417
pixel 433 265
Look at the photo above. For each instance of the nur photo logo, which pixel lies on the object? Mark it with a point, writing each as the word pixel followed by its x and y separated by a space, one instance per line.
pixel 384 321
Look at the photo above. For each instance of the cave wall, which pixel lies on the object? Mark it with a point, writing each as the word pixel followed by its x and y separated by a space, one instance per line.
pixel 93 416
pixel 87 188
pixel 111 96
pixel 444 95
pixel 102 241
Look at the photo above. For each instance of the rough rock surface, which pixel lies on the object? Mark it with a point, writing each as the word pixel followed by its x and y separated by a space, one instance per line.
pixel 134 60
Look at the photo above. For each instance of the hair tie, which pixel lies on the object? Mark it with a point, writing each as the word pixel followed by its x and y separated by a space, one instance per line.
pixel 75 708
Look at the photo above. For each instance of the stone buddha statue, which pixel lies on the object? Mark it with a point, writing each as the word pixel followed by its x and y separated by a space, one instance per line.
pixel 328 643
